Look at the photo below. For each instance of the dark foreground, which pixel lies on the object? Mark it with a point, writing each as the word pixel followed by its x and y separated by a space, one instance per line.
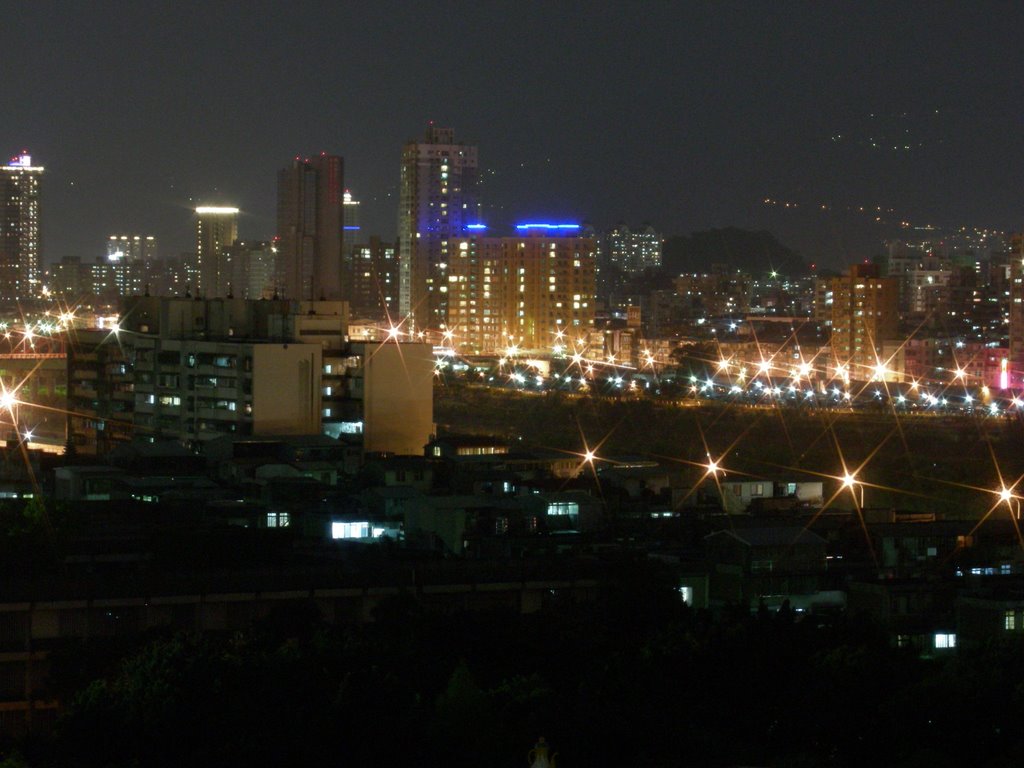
pixel 634 678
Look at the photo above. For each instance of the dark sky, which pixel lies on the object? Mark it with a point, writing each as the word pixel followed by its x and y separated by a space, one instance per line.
pixel 686 115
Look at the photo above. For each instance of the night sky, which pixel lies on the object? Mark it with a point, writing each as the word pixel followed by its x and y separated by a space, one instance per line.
pixel 686 115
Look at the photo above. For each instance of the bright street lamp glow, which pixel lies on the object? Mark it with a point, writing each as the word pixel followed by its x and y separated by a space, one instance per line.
pixel 1005 495
pixel 849 480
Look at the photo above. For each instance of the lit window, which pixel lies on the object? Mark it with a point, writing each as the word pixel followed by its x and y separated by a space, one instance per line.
pixel 945 640
pixel 1010 621
pixel 359 530
pixel 559 508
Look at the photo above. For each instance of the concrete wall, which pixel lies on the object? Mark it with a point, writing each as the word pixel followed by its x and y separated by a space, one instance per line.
pixel 286 388
pixel 398 397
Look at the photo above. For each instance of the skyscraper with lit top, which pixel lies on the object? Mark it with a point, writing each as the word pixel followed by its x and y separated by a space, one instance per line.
pixel 437 203
pixel 216 229
pixel 20 260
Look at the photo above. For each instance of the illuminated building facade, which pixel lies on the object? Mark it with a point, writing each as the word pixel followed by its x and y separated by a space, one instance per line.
pixel 309 228
pixel 521 291
pixel 717 294
pixel 1016 312
pixel 437 203
pixel 253 268
pixel 123 270
pixel 20 259
pixel 350 228
pixel 865 313
pixel 131 248
pixel 195 370
pixel 216 229
pixel 375 280
pixel 633 250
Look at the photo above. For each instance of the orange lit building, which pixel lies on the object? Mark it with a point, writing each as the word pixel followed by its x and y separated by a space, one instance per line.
pixel 521 291
pixel 865 313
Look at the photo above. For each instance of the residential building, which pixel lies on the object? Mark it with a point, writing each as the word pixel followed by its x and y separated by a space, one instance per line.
pixel 253 269
pixel 865 314
pixel 100 392
pixel 525 292
pixel 375 280
pixel 216 229
pixel 437 203
pixel 309 225
pixel 20 251
pixel 717 294
pixel 633 250
pixel 194 370
pixel 1017 305
pixel 131 248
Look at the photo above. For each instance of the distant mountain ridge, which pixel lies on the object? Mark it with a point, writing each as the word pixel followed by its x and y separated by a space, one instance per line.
pixel 750 251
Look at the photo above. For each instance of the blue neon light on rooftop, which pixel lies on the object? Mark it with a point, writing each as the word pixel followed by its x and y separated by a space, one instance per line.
pixel 547 226
pixel 476 226
pixel 351 227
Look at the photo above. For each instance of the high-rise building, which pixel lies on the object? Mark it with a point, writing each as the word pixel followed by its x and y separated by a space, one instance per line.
pixel 125 264
pixel 633 250
pixel 131 248
pixel 309 228
pixel 20 258
pixel 216 229
pixel 375 280
pixel 253 269
pixel 1017 307
pixel 527 291
pixel 350 211
pixel 437 203
pixel 864 315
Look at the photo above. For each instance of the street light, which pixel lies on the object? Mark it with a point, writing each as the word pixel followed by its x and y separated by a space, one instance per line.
pixel 850 482
pixel 1012 502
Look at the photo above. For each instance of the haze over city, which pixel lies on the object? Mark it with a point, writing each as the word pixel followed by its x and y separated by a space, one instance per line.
pixel 689 116
pixel 632 384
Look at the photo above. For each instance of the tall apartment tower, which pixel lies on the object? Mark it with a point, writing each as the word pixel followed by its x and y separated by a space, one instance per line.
pixel 374 280
pixel 20 263
pixel 864 314
pixel 309 228
pixel 437 203
pixel 216 229
pixel 528 291
pixel 1017 307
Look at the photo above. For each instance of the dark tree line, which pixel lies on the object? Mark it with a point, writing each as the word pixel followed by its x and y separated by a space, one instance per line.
pixel 634 678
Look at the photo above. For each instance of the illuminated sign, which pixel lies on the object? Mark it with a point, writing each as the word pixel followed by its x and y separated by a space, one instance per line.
pixel 547 226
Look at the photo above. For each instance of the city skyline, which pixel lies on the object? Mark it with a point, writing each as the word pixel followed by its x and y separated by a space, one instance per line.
pixel 692 120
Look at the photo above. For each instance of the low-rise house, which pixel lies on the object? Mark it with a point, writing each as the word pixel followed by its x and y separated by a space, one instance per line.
pixel 749 563
pixel 741 496
pixel 915 613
